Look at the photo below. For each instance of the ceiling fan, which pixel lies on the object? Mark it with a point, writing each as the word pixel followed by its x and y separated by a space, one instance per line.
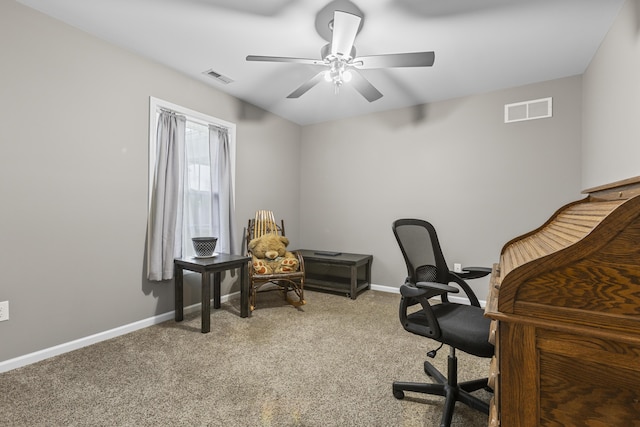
pixel 339 57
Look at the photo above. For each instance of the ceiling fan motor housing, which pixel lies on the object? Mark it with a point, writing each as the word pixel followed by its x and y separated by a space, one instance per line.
pixel 325 53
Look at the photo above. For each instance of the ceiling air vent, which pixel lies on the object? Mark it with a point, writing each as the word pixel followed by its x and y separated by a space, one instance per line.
pixel 219 77
pixel 528 110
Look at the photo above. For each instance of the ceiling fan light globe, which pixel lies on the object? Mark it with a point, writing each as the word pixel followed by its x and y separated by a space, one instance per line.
pixel 327 76
pixel 346 76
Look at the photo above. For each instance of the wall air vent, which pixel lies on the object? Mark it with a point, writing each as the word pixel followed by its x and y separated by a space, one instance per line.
pixel 528 110
pixel 219 77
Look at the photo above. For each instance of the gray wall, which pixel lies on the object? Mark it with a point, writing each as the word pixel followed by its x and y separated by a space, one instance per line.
pixel 453 163
pixel 611 91
pixel 73 179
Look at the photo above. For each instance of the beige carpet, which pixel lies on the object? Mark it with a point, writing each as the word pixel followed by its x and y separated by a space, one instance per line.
pixel 328 363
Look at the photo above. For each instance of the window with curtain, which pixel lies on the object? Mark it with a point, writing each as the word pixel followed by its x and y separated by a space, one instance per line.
pixel 200 190
pixel 191 177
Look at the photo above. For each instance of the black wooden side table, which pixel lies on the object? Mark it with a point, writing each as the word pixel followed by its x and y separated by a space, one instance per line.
pixel 206 266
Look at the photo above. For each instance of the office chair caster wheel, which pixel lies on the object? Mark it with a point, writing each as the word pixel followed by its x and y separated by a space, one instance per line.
pixel 398 394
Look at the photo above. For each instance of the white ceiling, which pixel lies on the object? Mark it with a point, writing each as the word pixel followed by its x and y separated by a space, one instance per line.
pixel 480 45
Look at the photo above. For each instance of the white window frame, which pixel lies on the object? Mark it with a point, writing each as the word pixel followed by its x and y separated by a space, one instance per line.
pixel 155 105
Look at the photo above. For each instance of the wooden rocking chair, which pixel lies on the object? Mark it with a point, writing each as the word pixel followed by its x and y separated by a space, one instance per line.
pixel 264 223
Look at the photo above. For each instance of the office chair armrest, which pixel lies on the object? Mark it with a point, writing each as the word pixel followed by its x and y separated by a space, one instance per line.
pixel 437 287
pixel 425 289
pixel 412 295
pixel 473 299
pixel 474 272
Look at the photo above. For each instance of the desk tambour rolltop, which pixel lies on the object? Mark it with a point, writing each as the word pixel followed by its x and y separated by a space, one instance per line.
pixel 565 307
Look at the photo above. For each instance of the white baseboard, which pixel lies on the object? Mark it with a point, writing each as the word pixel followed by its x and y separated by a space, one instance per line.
pixel 389 289
pixel 46 353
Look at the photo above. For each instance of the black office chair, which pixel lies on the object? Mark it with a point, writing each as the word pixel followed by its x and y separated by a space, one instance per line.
pixel 460 326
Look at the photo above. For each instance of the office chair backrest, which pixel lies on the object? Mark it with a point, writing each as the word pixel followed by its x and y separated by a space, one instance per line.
pixel 421 251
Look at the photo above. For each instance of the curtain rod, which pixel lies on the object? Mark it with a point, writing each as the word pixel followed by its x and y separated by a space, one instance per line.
pixel 175 113
pixel 192 119
pixel 212 126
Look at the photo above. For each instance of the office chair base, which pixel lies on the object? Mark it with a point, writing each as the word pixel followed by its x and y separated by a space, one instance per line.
pixel 449 388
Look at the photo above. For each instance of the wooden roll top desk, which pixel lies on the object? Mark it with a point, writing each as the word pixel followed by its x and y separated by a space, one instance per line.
pixel 565 307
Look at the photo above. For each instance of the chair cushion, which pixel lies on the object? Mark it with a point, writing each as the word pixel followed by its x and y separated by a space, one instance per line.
pixel 463 326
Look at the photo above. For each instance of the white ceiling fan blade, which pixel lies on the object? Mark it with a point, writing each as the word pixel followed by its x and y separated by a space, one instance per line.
pixel 413 59
pixel 284 59
pixel 307 85
pixel 345 29
pixel 363 86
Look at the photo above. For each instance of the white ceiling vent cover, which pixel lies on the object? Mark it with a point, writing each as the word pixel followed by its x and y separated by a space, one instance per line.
pixel 219 77
pixel 528 110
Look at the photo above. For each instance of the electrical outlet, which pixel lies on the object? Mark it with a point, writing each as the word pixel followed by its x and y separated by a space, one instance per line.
pixel 457 268
pixel 4 310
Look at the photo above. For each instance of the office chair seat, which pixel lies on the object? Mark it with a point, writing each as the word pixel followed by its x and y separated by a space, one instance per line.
pixel 463 327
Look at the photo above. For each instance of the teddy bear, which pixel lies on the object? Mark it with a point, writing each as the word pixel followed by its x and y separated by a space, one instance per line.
pixel 269 255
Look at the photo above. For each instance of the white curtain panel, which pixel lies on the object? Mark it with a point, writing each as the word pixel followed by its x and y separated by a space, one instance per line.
pixel 165 239
pixel 223 208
